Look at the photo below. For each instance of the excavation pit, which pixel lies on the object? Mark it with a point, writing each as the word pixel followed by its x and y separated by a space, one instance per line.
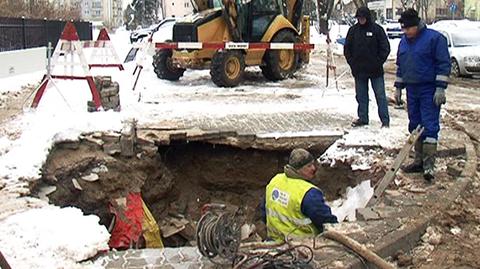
pixel 177 178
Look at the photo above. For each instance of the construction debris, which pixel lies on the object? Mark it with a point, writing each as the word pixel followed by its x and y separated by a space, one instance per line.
pixel 91 177
pixel 109 93
pixel 171 226
pixel 128 138
pixel 368 213
pixel 432 236
pixel 45 191
pixel 76 184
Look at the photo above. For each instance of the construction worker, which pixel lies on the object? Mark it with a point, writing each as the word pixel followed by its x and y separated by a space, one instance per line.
pixel 423 67
pixel 293 206
pixel 366 50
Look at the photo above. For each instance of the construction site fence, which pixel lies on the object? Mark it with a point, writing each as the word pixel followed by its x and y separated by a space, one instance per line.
pixel 22 33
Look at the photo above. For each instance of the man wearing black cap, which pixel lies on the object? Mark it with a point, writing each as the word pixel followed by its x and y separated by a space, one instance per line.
pixel 294 207
pixel 423 67
pixel 366 50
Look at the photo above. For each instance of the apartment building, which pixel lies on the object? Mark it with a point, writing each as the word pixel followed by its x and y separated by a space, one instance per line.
pixel 176 8
pixel 108 11
pixel 436 9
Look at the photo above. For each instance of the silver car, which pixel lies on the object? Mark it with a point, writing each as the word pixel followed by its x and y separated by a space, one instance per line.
pixel 464 48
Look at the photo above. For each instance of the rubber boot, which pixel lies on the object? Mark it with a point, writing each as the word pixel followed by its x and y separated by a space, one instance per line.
pixel 417 165
pixel 429 153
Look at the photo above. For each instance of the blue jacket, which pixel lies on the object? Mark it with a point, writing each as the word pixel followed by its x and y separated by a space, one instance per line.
pixel 314 207
pixel 423 60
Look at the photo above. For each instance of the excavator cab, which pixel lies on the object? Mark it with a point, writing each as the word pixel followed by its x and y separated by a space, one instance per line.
pixel 279 21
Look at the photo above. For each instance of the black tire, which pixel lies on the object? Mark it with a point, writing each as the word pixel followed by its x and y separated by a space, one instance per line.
pixel 455 68
pixel 274 67
pixel 227 68
pixel 162 64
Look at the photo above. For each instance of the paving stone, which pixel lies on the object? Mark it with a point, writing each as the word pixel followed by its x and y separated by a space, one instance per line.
pixel 364 214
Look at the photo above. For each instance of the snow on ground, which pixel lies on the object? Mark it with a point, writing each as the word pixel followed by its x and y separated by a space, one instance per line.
pixel 345 209
pixel 61 115
pixel 15 83
pixel 51 237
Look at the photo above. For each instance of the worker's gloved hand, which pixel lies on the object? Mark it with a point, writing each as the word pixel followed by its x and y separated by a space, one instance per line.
pixel 398 97
pixel 439 98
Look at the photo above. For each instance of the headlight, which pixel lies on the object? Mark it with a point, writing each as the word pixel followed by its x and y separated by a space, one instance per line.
pixel 471 59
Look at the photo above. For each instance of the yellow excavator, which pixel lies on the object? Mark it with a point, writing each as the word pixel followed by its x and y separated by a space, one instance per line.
pixel 276 21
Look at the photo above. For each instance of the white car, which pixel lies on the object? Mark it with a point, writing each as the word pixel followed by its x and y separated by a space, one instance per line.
pixel 164 25
pixel 464 48
pixel 454 23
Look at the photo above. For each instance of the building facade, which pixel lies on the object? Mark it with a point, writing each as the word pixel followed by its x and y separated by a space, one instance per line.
pixel 472 9
pixel 110 12
pixel 176 8
pixel 429 10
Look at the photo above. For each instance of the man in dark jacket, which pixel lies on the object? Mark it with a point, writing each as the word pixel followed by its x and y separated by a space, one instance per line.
pixel 423 67
pixel 366 49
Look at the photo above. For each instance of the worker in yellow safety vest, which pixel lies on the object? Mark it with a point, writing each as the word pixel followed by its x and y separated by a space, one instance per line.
pixel 294 207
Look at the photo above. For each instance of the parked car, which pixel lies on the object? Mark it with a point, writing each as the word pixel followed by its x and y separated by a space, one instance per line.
pixel 393 29
pixel 141 33
pixel 454 23
pixel 464 48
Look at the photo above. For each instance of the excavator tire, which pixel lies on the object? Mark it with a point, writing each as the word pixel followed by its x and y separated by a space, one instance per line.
pixel 280 64
pixel 162 64
pixel 227 68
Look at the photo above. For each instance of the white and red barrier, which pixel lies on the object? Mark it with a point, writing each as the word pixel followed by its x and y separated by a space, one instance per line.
pixel 104 54
pixel 68 54
pixel 234 45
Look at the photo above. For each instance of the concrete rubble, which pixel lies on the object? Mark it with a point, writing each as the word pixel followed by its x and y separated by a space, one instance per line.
pixel 109 94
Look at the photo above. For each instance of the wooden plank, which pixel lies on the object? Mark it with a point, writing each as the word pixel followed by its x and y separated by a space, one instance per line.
pixel 392 171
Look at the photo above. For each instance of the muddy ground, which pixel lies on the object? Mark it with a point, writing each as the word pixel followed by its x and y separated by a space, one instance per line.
pixel 178 180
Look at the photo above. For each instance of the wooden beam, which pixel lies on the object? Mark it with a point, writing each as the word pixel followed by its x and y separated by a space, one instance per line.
pixel 392 171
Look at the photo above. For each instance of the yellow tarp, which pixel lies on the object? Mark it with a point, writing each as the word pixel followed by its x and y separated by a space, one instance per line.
pixel 151 232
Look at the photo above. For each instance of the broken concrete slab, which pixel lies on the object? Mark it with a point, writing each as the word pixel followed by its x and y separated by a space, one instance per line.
pixel 172 226
pixel 76 184
pixel 70 144
pixel 112 148
pixel 92 177
pixel 127 146
pixel 451 143
pixel 368 213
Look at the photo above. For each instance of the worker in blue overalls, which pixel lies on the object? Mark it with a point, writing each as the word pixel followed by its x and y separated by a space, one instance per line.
pixel 423 63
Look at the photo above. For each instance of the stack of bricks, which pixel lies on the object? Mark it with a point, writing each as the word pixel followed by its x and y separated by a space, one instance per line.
pixel 109 93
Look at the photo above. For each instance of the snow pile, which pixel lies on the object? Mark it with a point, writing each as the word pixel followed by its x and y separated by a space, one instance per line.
pixel 312 133
pixel 23 157
pixel 357 158
pixel 51 237
pixel 15 83
pixel 357 197
pixel 358 148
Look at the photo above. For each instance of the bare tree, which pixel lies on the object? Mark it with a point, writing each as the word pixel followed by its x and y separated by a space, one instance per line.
pixel 360 3
pixel 38 9
pixel 406 3
pixel 422 7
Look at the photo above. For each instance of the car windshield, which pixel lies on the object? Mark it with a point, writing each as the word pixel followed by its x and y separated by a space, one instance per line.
pixel 466 38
